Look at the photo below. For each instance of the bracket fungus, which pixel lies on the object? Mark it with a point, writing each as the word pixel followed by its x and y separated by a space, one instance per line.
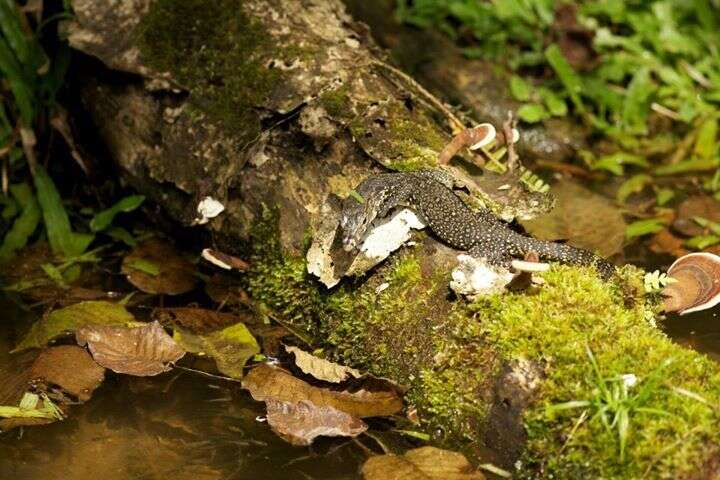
pixel 697 283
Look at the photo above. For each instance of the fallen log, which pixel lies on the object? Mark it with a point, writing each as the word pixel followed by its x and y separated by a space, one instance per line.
pixel 268 107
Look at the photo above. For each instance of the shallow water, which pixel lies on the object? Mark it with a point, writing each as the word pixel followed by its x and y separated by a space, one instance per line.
pixel 179 425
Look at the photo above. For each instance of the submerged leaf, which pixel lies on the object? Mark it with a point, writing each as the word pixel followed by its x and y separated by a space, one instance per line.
pixel 425 463
pixel 156 267
pixel 230 347
pixel 141 351
pixel 320 368
pixel 70 368
pixel 301 422
pixel 266 382
pixel 104 219
pixel 71 318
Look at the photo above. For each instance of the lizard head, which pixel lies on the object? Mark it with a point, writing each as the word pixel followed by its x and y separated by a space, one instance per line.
pixel 355 220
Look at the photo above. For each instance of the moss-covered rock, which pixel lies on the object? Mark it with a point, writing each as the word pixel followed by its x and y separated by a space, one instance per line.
pixel 452 354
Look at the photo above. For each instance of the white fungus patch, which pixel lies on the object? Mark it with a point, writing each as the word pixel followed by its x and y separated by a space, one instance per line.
pixel 207 254
pixel 208 208
pixel 384 237
pixel 474 277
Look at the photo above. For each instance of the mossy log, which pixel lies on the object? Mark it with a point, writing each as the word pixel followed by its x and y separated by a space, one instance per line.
pixel 269 106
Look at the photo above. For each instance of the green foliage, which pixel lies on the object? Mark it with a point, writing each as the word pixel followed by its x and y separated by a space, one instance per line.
pixel 103 220
pixel 644 227
pixel 24 225
pixel 656 57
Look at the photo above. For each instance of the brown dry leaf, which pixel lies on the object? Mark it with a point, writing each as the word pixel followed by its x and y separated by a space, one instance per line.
pixel 583 218
pixel 666 242
pixel 226 290
pixel 156 267
pixel 70 368
pixel 266 382
pixel 320 368
pixel 426 463
pixel 141 351
pixel 301 422
pixel 197 320
pixel 702 206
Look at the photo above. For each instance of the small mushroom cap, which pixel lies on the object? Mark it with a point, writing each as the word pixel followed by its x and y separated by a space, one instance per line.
pixel 697 283
pixel 484 135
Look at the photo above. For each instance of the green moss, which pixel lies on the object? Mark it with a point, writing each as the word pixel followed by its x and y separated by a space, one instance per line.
pixel 576 309
pixel 415 143
pixel 214 51
pixel 336 102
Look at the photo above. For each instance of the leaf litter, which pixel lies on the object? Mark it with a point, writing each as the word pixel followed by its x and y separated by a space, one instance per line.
pixel 141 351
pixel 157 267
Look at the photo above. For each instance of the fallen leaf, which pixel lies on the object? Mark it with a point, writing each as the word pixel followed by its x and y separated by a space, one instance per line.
pixel 702 206
pixel 583 218
pixel 226 290
pixel 267 382
pixel 425 463
pixel 70 368
pixel 197 320
pixel 665 242
pixel 230 347
pixel 156 267
pixel 141 351
pixel 71 318
pixel 67 373
pixel 301 422
pixel 320 368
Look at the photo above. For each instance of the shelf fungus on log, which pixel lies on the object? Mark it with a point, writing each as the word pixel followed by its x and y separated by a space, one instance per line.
pixel 697 283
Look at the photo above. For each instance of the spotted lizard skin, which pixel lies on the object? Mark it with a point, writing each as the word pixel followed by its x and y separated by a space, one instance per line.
pixel 429 194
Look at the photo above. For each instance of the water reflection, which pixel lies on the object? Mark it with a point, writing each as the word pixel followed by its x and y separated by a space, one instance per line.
pixel 178 426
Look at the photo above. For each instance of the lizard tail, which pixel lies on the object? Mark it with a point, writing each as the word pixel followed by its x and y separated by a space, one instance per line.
pixel 563 253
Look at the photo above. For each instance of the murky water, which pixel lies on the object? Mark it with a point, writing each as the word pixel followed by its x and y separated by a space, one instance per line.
pixel 178 425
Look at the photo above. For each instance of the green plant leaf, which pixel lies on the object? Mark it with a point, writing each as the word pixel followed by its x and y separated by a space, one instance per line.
pixel 520 89
pixel 706 143
pixel 644 227
pixel 532 113
pixel 231 347
pixel 25 225
pixel 71 318
pixel 104 219
pixel 634 184
pixel 686 166
pixel 63 241
pixel 570 80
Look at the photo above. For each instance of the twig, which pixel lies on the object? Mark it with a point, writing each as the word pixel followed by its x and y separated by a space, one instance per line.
pixel 513 162
pixel 456 124
pixel 211 375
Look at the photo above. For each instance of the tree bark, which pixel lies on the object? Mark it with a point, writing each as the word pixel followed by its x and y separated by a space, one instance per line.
pixel 270 106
